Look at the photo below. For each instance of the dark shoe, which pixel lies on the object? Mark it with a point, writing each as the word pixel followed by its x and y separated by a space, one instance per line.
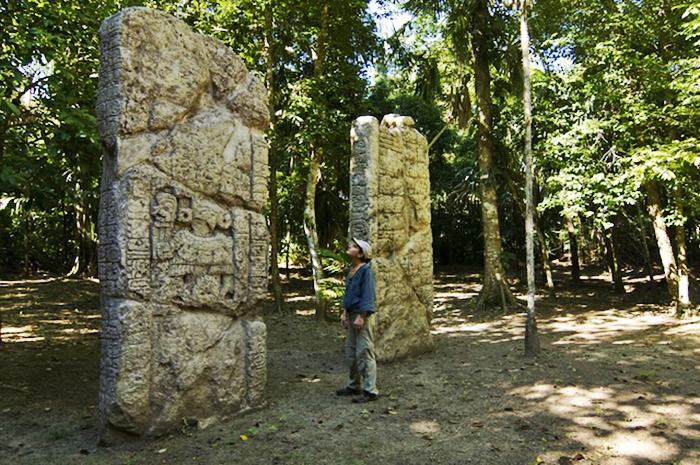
pixel 346 391
pixel 364 398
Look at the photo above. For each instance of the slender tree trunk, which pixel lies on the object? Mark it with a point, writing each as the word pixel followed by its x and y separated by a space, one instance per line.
pixel 310 227
pixel 543 249
pixel 312 234
pixel 79 261
pixel 683 305
pixel 662 239
pixel 544 252
pixel 65 222
pixel 495 290
pixel 90 246
pixel 611 257
pixel 80 264
pixel 532 342
pixel 86 254
pixel 274 200
pixel 618 285
pixel 609 260
pixel 573 249
pixel 648 264
pixel 287 251
pixel 25 241
pixel 437 136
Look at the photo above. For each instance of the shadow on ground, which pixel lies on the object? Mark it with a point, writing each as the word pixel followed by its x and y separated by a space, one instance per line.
pixel 616 384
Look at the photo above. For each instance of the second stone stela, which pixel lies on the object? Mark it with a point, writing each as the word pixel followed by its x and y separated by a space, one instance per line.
pixel 390 207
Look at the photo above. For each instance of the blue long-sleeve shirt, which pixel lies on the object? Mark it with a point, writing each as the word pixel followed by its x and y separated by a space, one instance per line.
pixel 359 291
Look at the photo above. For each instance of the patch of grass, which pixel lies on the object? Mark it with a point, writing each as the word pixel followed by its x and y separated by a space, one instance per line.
pixel 649 376
pixel 663 423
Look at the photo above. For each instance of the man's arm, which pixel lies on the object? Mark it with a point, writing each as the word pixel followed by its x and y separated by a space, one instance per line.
pixel 359 322
pixel 368 291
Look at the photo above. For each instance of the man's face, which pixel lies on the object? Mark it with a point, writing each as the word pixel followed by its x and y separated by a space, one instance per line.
pixel 354 251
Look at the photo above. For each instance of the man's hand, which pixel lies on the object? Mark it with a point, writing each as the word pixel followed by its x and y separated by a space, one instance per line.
pixel 344 321
pixel 359 322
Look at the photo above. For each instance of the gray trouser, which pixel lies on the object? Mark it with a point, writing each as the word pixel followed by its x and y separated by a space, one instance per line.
pixel 359 352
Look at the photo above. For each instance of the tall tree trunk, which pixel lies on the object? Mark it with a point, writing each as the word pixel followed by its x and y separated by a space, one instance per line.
pixel 618 285
pixel 648 263
pixel 611 257
pixel 662 239
pixel 573 249
pixel 66 224
pixel 25 241
pixel 79 261
pixel 544 253
pixel 609 260
pixel 310 227
pixel 287 251
pixel 532 342
pixel 312 234
pixel 495 290
pixel 86 256
pixel 683 304
pixel 274 200
pixel 543 249
pixel 91 246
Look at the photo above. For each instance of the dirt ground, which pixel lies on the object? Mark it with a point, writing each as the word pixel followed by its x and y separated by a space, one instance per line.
pixel 617 383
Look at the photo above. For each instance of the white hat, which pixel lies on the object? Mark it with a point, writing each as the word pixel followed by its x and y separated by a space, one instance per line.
pixel 365 247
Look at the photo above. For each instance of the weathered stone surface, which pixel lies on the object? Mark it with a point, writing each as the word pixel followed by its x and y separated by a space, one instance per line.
pixel 390 207
pixel 183 242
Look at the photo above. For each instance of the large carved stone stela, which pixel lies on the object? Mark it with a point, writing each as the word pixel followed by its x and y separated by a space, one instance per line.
pixel 183 243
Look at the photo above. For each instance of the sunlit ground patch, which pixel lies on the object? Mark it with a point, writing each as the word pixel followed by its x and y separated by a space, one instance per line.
pixel 20 334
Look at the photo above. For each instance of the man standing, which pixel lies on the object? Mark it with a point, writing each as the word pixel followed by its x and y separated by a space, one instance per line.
pixel 359 343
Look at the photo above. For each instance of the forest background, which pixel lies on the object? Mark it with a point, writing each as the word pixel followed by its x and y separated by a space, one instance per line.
pixel 615 105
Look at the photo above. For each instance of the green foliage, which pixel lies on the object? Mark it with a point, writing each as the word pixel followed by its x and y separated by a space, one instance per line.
pixel 649 376
pixel 335 265
pixel 49 150
pixel 616 104
pixel 619 112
